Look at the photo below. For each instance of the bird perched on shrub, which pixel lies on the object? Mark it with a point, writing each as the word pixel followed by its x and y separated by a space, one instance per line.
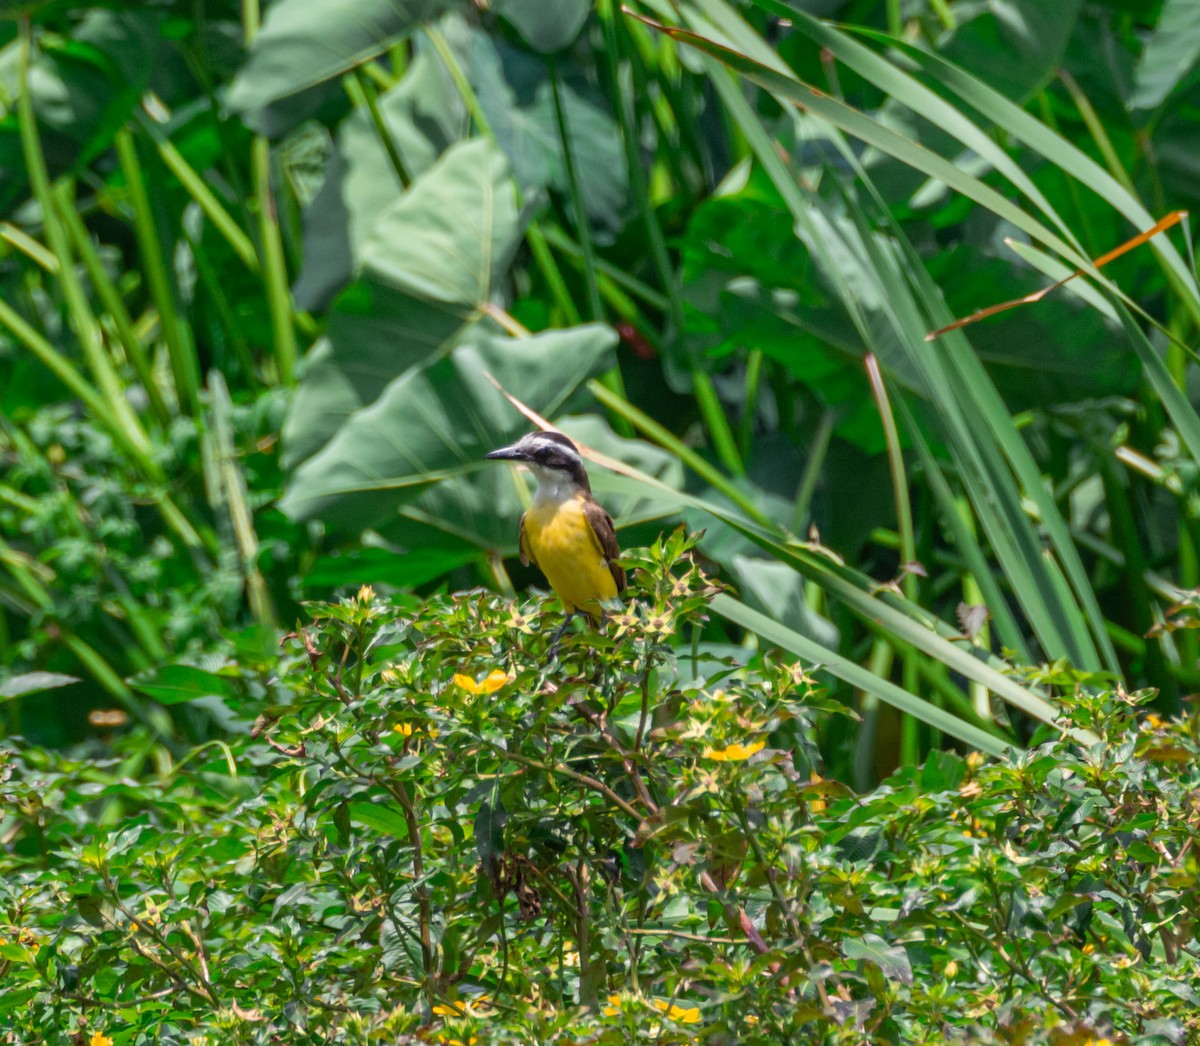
pixel 565 533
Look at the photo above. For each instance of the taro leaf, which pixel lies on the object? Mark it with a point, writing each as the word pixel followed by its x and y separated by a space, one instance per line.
pixel 443 417
pixel 1014 46
pixel 428 268
pixel 83 88
pixel 304 45
pixel 892 960
pixel 1169 54
pixel 1030 361
pixel 381 566
pixel 517 97
pixel 778 590
pixel 32 683
pixel 481 511
pixel 424 115
pixel 546 25
pixel 173 684
pixel 447 238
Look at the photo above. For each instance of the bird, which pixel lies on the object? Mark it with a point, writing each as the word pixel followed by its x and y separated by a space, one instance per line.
pixel 565 533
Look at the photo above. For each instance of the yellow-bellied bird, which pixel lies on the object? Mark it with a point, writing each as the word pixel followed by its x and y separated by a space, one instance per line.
pixel 565 532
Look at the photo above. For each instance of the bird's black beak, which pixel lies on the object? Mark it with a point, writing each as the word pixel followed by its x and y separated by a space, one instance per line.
pixel 506 454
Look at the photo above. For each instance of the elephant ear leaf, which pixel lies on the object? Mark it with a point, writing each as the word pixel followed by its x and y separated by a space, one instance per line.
pixel 427 270
pixel 425 436
pixel 545 25
pixel 304 46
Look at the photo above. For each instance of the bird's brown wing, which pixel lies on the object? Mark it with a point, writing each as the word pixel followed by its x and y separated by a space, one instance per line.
pixel 523 544
pixel 606 536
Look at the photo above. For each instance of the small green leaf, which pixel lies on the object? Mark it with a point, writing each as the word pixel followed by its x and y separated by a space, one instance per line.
pixel 173 684
pixel 892 960
pixel 386 819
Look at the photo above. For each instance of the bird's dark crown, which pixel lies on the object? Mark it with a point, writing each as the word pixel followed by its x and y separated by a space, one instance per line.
pixel 547 450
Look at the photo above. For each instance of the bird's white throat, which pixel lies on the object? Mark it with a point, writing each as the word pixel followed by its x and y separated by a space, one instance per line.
pixel 554 485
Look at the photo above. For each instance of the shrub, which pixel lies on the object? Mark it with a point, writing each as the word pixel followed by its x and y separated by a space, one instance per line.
pixel 434 833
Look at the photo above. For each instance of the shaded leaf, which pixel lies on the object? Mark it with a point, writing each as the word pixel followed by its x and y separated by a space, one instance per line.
pixel 173 684
pixel 546 25
pixel 439 420
pixel 304 45
pixel 1169 55
pixel 428 267
pixel 892 960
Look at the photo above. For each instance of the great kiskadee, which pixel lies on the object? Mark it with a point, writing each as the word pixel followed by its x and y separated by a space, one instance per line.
pixel 565 533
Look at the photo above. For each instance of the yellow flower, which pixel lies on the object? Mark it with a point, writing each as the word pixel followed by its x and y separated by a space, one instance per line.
pixel 683 1015
pixel 734 753
pixel 490 683
pixel 100 1040
pixel 951 969
pixel 658 624
pixel 366 594
pixel 472 1005
pixel 521 622
pixel 403 729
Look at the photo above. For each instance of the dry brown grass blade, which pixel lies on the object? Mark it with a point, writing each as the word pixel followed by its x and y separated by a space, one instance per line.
pixel 1171 220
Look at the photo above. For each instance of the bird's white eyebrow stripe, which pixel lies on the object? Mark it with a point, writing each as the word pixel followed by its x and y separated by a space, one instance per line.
pixel 539 441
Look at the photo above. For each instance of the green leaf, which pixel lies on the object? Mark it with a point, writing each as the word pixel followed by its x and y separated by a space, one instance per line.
pixel 1169 55
pixel 546 25
pixel 814 653
pixel 489 834
pixel 428 267
pixel 437 422
pixel 516 94
pixel 774 588
pixel 423 115
pixel 173 684
pixel 305 44
pixel 389 820
pixel 382 566
pixel 32 683
pixel 83 87
pixel 892 959
pixel 1014 45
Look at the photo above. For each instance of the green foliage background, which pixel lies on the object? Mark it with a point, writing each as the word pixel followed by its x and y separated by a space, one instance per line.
pixel 261 273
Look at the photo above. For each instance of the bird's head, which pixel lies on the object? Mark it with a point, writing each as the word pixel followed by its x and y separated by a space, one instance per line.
pixel 550 456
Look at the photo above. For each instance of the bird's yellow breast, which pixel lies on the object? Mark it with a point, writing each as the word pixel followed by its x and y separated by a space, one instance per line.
pixel 561 542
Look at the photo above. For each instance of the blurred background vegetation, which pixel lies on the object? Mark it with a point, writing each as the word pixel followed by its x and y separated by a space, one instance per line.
pixel 255 267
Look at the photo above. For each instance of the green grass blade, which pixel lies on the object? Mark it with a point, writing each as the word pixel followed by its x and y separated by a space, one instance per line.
pixel 814 653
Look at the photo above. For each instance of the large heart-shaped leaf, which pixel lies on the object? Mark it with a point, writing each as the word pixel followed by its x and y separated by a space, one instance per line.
pixel 83 88
pixel 546 25
pixel 1170 53
pixel 438 420
pixel 428 268
pixel 1014 45
pixel 516 93
pixel 423 115
pixel 304 45
pixel 481 510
